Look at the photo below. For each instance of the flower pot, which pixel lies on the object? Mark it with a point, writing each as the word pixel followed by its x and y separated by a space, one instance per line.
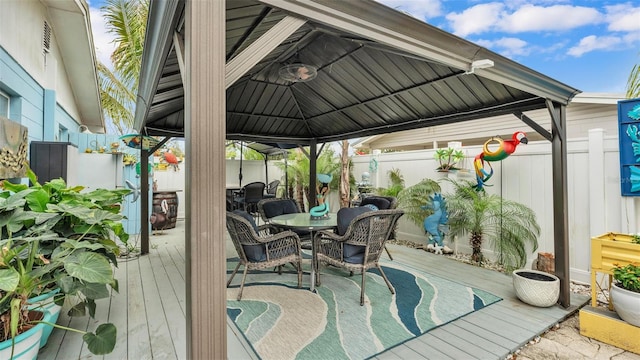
pixel 45 302
pixel 536 288
pixel 627 304
pixel 27 343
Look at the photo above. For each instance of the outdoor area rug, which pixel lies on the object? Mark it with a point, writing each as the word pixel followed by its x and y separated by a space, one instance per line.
pixel 281 321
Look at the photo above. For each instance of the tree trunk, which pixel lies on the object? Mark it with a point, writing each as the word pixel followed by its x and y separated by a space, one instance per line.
pixel 344 176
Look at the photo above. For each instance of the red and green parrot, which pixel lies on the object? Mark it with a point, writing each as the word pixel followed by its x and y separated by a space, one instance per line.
pixel 505 148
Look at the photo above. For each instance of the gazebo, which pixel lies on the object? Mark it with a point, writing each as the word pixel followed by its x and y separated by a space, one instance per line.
pixel 308 73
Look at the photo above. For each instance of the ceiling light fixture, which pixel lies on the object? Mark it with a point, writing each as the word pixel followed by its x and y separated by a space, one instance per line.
pixel 298 72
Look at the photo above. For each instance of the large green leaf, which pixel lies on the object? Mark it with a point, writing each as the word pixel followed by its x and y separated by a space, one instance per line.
pixel 38 200
pixel 89 267
pixel 95 291
pixel 103 341
pixel 9 279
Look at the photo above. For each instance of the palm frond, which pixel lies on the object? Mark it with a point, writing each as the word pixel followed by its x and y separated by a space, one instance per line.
pixel 413 198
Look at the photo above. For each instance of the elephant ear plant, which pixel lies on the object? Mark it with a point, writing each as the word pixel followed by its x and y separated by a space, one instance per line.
pixel 53 236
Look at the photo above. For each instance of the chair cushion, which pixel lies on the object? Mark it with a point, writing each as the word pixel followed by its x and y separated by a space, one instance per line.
pixel 371 206
pixel 255 253
pixel 345 215
pixel 380 202
pixel 248 217
pixel 276 208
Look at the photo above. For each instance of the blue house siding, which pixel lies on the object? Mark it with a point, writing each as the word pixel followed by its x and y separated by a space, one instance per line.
pixel 65 125
pixel 27 96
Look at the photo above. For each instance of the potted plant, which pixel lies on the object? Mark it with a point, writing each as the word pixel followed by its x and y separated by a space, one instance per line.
pixel 448 158
pixel 625 292
pixel 52 237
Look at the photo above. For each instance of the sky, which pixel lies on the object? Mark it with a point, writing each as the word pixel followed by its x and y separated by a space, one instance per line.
pixel 591 45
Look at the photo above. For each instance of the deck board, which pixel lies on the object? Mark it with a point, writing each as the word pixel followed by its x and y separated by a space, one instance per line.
pixel 150 312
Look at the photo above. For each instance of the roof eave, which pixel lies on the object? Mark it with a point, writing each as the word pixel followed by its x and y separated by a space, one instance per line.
pixel 72 25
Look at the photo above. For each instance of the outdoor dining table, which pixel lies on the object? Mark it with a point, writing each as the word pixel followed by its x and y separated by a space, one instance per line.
pixel 303 221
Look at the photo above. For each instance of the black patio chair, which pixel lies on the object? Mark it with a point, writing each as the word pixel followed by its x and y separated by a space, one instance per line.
pixel 272 189
pixel 249 197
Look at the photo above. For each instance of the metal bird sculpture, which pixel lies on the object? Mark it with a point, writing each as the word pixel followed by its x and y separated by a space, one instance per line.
pixel 505 148
pixel 135 190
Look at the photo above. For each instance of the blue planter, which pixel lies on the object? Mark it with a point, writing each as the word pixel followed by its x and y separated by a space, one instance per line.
pixel 45 303
pixel 26 346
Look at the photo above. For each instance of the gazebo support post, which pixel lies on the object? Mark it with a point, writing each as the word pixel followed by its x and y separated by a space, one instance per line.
pixel 313 171
pixel 205 180
pixel 560 208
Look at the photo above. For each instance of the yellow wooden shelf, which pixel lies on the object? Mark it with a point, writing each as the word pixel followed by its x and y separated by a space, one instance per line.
pixel 606 326
pixel 606 251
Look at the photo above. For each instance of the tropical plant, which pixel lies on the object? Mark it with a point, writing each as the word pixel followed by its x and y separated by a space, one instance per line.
pixel 52 235
pixel 297 170
pixel 627 277
pixel 396 181
pixel 448 158
pixel 507 225
pixel 126 20
pixel 413 198
pixel 633 83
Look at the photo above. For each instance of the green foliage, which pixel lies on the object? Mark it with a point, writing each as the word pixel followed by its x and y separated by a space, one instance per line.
pixel 396 181
pixel 510 227
pixel 627 277
pixel 412 199
pixel 635 238
pixel 633 83
pixel 54 235
pixel 297 170
pixel 126 20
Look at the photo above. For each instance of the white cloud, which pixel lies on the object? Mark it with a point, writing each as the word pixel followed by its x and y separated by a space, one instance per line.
pixel 525 18
pixel 102 40
pixel 507 46
pixel 623 17
pixel 423 9
pixel 593 42
pixel 476 19
pixel 551 18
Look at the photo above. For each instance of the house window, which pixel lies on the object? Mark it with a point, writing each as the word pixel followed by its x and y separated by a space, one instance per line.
pixel 4 105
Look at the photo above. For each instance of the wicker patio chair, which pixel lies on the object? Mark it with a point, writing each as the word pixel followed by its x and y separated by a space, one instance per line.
pixel 257 251
pixel 383 203
pixel 269 208
pixel 361 245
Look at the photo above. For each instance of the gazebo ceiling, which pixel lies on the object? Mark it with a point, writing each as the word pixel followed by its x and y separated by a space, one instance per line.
pixel 363 87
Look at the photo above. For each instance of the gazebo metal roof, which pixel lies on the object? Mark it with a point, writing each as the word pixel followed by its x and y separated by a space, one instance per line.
pixel 379 71
pixel 365 85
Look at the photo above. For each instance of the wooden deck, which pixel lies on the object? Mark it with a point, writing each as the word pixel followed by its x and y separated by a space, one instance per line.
pixel 149 312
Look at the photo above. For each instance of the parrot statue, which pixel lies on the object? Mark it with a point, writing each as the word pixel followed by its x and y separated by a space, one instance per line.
pixel 505 148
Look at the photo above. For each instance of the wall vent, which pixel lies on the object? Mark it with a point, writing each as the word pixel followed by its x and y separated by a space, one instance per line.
pixel 46 38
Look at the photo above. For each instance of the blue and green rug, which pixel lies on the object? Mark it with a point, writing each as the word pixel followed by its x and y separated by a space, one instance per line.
pixel 281 321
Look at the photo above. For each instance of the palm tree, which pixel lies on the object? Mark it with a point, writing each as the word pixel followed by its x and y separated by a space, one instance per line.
pixel 509 226
pixel 298 173
pixel 633 83
pixel 126 20
pixel 397 184
pixel 413 199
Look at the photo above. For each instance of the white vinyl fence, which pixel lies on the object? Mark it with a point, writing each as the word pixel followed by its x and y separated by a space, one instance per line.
pixel 594 202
